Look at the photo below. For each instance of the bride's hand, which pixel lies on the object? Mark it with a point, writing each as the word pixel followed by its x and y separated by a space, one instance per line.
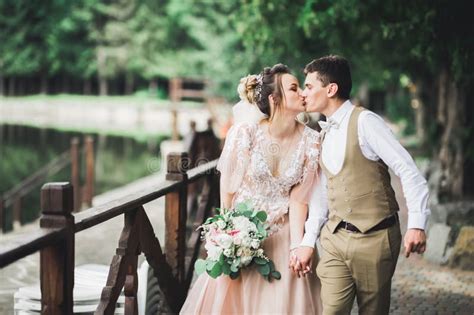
pixel 304 256
pixel 294 264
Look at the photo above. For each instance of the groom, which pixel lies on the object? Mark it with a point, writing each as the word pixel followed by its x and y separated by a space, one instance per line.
pixel 353 209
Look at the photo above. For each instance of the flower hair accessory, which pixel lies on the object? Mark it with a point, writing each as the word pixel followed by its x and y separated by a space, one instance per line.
pixel 258 88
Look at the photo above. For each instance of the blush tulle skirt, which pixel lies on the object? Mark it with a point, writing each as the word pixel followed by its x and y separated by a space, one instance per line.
pixel 252 294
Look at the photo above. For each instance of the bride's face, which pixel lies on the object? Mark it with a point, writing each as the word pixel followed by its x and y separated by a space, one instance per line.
pixel 293 100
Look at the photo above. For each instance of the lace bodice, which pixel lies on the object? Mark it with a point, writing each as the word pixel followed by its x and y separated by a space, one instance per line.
pixel 245 171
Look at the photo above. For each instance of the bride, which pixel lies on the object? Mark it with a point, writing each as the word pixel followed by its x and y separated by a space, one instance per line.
pixel 270 160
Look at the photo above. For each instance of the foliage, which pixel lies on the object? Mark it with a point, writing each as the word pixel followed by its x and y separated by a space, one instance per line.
pixel 234 240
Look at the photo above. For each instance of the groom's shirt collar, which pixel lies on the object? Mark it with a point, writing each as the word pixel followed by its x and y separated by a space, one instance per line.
pixel 341 112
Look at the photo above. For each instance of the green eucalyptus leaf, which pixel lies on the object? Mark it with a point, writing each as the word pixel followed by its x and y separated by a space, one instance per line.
pixel 262 216
pixel 241 207
pixel 276 275
pixel 210 265
pixel 226 269
pixel 264 269
pixel 216 271
pixel 260 261
pixel 234 275
pixel 200 266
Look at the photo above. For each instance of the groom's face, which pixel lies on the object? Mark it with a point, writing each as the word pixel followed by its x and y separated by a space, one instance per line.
pixel 315 95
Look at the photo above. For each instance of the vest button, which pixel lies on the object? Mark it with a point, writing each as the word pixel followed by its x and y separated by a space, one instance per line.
pixel 349 210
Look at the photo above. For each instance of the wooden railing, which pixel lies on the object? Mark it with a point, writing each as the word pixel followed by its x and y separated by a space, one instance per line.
pixel 13 197
pixel 55 239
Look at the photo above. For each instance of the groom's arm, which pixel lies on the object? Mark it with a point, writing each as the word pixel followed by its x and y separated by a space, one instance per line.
pixel 318 212
pixel 300 261
pixel 377 141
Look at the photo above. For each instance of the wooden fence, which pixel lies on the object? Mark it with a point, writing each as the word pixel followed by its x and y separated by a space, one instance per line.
pixel 172 259
pixel 85 193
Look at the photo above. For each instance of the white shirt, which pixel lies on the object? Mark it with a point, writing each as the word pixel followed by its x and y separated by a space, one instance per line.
pixel 376 141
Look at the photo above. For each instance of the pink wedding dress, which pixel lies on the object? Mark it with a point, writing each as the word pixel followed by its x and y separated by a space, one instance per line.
pixel 246 173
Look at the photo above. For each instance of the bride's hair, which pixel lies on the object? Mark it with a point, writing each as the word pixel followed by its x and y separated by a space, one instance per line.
pixel 257 88
pixel 246 88
pixel 271 85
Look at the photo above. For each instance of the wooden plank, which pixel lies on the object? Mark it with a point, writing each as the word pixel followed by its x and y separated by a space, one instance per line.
pixel 75 179
pixel 130 290
pixel 194 242
pixel 102 213
pixel 27 244
pixel 2 214
pixel 202 171
pixel 89 147
pixel 57 260
pixel 37 178
pixel 123 263
pixel 16 212
pixel 175 215
pixel 151 248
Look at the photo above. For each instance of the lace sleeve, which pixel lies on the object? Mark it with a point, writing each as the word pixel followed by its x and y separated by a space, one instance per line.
pixel 235 157
pixel 302 190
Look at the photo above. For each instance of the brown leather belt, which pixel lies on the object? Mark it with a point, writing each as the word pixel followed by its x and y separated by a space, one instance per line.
pixel 384 224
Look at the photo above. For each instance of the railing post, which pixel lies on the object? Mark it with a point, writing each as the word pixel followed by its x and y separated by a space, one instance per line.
pixel 175 214
pixel 57 260
pixel 75 180
pixel 89 143
pixel 17 212
pixel 2 215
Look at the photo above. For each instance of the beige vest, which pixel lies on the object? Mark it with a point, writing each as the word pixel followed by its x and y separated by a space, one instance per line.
pixel 361 192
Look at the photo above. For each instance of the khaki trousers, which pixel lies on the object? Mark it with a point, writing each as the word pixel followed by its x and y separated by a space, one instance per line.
pixel 358 265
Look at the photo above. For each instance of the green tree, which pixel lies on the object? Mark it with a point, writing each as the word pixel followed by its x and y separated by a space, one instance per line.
pixel 431 43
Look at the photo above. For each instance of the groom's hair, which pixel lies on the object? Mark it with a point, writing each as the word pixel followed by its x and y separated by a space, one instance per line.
pixel 333 69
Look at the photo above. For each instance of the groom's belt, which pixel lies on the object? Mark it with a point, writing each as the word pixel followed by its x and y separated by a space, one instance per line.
pixel 385 223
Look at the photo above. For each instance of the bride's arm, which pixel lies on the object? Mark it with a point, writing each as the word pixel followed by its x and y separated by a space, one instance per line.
pixel 298 214
pixel 226 198
pixel 233 162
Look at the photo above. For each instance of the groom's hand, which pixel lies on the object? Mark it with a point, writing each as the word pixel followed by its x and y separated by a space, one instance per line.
pixel 415 242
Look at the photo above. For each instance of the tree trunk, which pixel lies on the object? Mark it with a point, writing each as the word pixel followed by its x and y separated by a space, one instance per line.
pixel 87 87
pixel 419 107
pixel 101 72
pixel 153 87
pixel 11 86
pixel 129 83
pixel 2 82
pixel 451 117
pixel 44 83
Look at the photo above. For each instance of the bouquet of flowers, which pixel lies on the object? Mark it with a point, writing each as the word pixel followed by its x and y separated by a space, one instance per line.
pixel 233 241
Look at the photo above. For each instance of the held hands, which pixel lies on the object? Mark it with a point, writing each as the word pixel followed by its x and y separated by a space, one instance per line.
pixel 300 260
pixel 415 242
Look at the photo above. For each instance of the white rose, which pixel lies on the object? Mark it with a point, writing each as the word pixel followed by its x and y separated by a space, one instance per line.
pixel 245 260
pixel 224 240
pixel 229 252
pixel 252 227
pixel 259 252
pixel 237 241
pixel 255 244
pixel 246 241
pixel 213 252
pixel 239 252
pixel 221 224
pixel 241 223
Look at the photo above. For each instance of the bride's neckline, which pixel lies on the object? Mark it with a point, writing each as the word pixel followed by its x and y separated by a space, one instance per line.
pixel 279 175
